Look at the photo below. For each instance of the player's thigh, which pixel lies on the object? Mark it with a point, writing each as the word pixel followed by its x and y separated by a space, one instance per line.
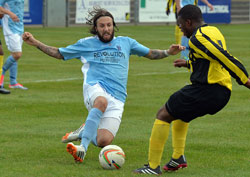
pixel 14 42
pixel 115 107
pixel 90 93
pixel 112 116
pixel 111 119
pixel 109 124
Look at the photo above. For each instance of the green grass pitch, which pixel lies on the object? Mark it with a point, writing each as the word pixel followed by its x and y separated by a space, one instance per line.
pixel 32 122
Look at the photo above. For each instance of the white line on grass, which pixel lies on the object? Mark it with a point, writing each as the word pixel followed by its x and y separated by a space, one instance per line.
pixel 53 80
pixel 80 78
pixel 158 73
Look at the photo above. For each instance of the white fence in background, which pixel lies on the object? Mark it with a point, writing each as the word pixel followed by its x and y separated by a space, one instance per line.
pixel 135 12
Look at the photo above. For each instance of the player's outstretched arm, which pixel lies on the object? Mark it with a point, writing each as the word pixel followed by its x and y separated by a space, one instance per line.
pixel 155 54
pixel 49 50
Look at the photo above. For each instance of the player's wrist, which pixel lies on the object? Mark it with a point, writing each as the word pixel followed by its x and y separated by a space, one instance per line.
pixel 166 53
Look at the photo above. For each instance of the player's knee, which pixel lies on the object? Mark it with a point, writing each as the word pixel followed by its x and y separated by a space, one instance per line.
pixel 17 55
pixel 101 103
pixel 104 142
pixel 104 137
pixel 163 115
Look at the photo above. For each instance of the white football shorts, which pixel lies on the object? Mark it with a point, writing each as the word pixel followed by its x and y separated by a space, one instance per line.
pixel 14 42
pixel 111 118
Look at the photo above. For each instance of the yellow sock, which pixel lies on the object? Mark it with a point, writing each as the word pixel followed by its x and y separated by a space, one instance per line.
pixel 179 134
pixel 1 64
pixel 157 141
pixel 178 35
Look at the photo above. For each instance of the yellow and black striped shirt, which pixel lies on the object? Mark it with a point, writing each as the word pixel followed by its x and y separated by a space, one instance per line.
pixel 209 60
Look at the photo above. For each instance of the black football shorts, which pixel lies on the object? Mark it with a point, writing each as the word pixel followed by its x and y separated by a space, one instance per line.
pixel 197 100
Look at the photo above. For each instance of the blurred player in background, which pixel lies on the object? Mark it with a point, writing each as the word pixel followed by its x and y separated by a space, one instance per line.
pixel 14 19
pixel 13 37
pixel 177 5
pixel 106 60
pixel 212 67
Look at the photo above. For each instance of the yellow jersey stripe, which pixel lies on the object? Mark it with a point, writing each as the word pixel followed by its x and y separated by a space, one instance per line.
pixel 212 50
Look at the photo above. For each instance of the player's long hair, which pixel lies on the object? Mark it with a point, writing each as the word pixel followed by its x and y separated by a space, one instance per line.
pixel 94 15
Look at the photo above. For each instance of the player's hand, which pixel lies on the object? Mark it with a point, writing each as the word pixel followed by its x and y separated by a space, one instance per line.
pixel 29 39
pixel 180 63
pixel 175 49
pixel 211 7
pixel 248 83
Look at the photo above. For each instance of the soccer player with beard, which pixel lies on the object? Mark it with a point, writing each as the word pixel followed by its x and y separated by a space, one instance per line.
pixel 106 61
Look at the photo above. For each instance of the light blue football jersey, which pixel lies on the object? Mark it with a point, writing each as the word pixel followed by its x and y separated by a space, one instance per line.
pixel 186 2
pixel 184 39
pixel 106 63
pixel 9 26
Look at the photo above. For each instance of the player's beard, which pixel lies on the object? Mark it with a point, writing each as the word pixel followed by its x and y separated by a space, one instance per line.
pixel 106 40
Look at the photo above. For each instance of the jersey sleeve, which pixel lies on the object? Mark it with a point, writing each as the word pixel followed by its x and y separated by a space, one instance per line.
pixel 137 48
pixel 207 48
pixel 72 51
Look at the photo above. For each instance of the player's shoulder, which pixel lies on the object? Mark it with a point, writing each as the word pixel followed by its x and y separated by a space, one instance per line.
pixel 211 30
pixel 211 27
pixel 87 39
pixel 125 39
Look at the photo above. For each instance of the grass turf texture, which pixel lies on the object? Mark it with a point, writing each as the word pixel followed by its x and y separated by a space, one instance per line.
pixel 32 122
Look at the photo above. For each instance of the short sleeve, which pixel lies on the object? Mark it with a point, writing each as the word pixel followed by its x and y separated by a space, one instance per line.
pixel 72 51
pixel 137 48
